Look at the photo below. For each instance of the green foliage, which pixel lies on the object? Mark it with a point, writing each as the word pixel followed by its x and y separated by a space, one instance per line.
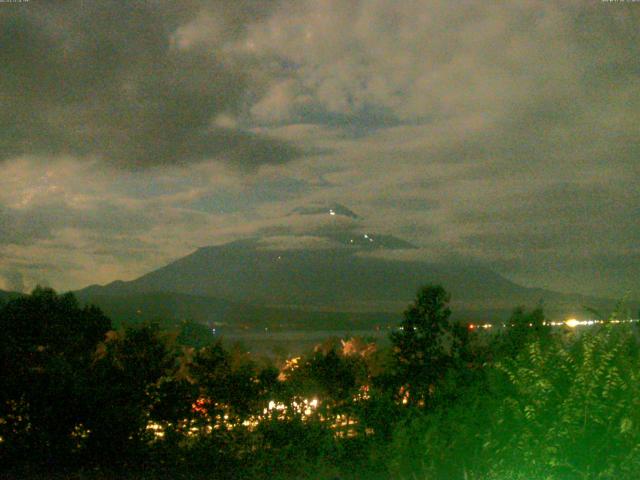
pixel 530 403
pixel 573 406
pixel 443 443
pixel 562 408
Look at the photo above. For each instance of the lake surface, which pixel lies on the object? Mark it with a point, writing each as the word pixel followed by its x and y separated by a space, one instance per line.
pixel 296 342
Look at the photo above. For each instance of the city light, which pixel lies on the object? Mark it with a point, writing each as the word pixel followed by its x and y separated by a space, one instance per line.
pixel 572 322
pixel 485 326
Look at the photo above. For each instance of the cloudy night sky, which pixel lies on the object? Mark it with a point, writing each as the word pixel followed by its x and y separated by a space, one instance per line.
pixel 505 134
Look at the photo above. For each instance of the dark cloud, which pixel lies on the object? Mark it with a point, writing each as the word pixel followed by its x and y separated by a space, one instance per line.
pixel 418 202
pixel 566 205
pixel 106 79
pixel 122 249
pixel 567 235
pixel 40 221
pixel 241 198
pixel 20 227
pixel 109 218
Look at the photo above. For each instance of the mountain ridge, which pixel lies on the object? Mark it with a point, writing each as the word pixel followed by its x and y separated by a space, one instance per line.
pixel 339 280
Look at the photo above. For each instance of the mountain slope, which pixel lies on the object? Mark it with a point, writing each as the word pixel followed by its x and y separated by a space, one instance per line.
pixel 330 280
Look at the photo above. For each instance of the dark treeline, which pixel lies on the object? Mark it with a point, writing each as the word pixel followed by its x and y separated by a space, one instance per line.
pixel 81 400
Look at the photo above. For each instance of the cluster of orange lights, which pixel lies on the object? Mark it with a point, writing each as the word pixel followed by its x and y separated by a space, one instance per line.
pixel 475 326
pixel 200 406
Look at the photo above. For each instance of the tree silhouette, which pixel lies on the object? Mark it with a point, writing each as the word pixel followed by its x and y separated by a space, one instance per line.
pixel 46 349
pixel 522 328
pixel 422 348
pixel 124 377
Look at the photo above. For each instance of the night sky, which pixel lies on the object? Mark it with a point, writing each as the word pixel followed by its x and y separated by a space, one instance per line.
pixel 500 133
